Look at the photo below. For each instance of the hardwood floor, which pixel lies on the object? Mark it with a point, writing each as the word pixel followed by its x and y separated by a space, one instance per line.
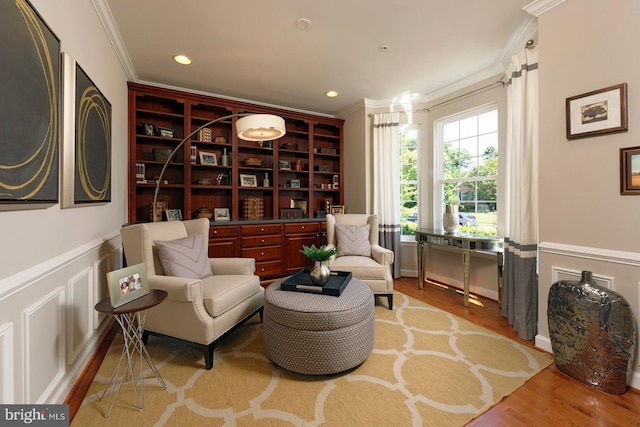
pixel 548 399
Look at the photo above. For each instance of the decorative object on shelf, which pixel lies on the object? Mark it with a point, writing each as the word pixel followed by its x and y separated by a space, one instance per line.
pixel 161 206
pixel 174 214
pixel 203 180
pixel 630 170
pixel 289 146
pixel 253 207
pixel 332 151
pixel 336 209
pixel 327 205
pixel 322 168
pixel 301 204
pixel 220 140
pixel 321 214
pixel 166 132
pixel 207 158
pixel 284 165
pixel 450 219
pixel 253 162
pixel 294 183
pixel 599 112
pixel 127 284
pixel 265 181
pixel 204 212
pixel 298 165
pixel 320 272
pixel 221 214
pixel 224 160
pixel 222 179
pixel 161 154
pixel 592 332
pixel 149 129
pixel 248 180
pixel 141 173
pixel 250 127
pixel 289 213
pixel 205 135
pixel 336 182
pixel 193 156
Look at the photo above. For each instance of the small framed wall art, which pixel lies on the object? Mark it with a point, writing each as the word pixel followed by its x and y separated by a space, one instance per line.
pixel 127 284
pixel 337 209
pixel 174 214
pixel 248 180
pixel 599 112
pixel 221 214
pixel 207 158
pixel 630 170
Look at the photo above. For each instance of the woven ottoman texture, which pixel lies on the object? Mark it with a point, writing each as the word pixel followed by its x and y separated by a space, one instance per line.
pixel 319 334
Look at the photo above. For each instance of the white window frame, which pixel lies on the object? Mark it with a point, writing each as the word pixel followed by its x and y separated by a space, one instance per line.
pixel 439 155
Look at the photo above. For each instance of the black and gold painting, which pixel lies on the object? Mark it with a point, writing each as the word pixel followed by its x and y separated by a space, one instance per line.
pixel 92 142
pixel 29 107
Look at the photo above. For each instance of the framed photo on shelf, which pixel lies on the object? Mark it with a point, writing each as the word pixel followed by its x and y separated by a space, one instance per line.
pixel 221 214
pixel 127 284
pixel 295 183
pixel 630 170
pixel 207 158
pixel 284 165
pixel 169 133
pixel 174 215
pixel 248 180
pixel 598 112
pixel 300 204
pixel 148 128
pixel 336 209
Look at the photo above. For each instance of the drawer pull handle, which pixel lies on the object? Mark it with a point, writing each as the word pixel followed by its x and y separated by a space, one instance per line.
pixel 215 231
pixel 302 227
pixel 262 241
pixel 262 270
pixel 262 230
pixel 261 253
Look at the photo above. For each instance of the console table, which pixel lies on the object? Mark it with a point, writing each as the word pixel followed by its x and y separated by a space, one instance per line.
pixel 131 317
pixel 465 243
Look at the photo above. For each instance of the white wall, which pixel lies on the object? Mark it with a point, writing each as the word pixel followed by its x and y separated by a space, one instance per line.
pixel 53 262
pixel 585 224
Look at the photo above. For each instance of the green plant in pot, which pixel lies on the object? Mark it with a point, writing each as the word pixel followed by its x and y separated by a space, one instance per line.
pixel 320 272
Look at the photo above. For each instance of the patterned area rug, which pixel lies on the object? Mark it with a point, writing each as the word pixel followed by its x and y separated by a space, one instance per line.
pixel 428 368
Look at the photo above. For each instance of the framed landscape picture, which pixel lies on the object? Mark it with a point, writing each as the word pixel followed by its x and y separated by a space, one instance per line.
pixel 630 170
pixel 599 112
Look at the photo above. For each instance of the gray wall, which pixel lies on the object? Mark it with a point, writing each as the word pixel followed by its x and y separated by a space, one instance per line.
pixel 585 224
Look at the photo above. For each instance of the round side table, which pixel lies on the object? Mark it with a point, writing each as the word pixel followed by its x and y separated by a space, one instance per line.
pixel 131 317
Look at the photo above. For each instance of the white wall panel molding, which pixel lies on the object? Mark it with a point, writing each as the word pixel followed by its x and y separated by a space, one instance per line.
pixel 538 7
pixel 6 363
pixel 100 289
pixel 13 284
pixel 80 314
pixel 561 273
pixel 594 254
pixel 43 346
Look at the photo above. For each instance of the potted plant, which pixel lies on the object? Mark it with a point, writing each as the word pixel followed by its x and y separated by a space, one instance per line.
pixel 320 272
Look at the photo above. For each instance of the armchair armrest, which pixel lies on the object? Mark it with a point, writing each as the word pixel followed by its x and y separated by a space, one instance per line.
pixel 382 255
pixel 179 288
pixel 232 266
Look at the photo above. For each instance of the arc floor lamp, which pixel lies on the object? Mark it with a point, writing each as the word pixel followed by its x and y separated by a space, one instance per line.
pixel 249 127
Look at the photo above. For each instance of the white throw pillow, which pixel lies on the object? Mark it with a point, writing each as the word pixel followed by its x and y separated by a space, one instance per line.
pixel 353 240
pixel 186 257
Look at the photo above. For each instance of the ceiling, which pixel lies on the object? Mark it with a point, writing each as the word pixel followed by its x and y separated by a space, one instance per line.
pixel 253 49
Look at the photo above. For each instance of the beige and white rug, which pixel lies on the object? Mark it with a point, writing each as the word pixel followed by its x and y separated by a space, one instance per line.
pixel 428 368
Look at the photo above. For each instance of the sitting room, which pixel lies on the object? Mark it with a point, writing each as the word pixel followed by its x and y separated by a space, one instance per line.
pixel 320 214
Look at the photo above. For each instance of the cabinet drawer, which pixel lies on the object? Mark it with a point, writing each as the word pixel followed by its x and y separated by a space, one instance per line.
pixel 301 227
pixel 270 268
pixel 228 231
pixel 260 230
pixel 259 241
pixel 263 254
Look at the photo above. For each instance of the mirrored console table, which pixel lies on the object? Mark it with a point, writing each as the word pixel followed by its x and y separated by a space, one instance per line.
pixel 465 243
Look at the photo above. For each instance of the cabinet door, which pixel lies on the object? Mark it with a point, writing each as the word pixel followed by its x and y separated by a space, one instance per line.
pixel 224 242
pixel 294 259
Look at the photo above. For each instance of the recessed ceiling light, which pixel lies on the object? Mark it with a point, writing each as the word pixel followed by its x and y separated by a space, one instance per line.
pixel 332 94
pixel 303 24
pixel 182 59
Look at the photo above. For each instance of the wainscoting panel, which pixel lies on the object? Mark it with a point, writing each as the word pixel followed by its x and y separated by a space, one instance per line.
pixel 6 363
pixel 80 318
pixel 109 262
pixel 559 273
pixel 44 345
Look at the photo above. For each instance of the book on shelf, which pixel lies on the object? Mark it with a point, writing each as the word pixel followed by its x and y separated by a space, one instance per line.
pixel 194 155
pixel 140 172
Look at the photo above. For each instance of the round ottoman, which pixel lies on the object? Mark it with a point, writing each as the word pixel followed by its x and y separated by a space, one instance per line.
pixel 319 334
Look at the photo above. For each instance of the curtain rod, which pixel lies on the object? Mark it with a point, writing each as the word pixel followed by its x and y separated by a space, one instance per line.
pixel 501 82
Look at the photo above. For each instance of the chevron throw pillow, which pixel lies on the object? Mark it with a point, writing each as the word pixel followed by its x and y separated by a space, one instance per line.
pixel 353 240
pixel 186 257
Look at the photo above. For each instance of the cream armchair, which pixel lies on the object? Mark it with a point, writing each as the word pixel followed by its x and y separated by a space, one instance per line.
pixel 196 311
pixel 374 270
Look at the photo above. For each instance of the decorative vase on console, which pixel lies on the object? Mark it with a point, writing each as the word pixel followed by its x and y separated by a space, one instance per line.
pixel 450 219
pixel 320 273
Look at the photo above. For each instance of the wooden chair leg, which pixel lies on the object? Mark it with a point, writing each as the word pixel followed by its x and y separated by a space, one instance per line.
pixel 208 356
pixel 390 301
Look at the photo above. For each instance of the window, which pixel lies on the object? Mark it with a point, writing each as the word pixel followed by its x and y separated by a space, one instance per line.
pixel 468 167
pixel 409 179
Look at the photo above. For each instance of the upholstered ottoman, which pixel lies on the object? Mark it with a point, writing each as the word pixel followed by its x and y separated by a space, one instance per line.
pixel 319 334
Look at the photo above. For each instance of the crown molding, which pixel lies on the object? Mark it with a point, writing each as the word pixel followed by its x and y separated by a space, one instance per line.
pixel 528 31
pixel 104 13
pixel 538 7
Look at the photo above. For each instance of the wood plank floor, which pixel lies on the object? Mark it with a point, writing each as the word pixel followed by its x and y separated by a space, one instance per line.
pixel 550 398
